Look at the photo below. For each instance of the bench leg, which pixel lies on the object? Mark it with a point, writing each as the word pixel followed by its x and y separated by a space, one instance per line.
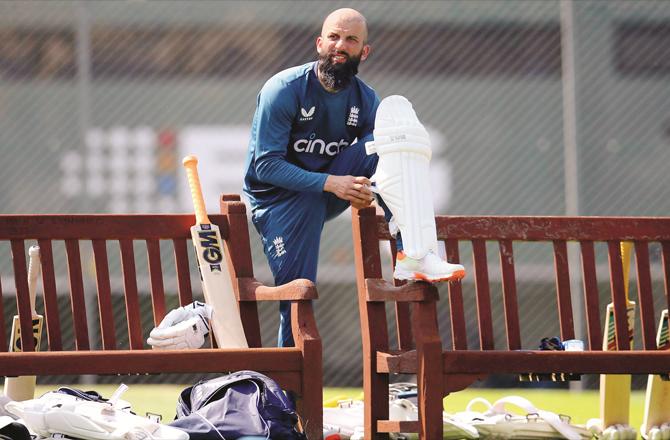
pixel 376 407
pixel 311 414
pixel 429 371
pixel 375 385
pixel 307 338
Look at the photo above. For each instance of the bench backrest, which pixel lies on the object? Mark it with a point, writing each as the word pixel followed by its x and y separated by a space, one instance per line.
pixel 493 241
pixel 76 247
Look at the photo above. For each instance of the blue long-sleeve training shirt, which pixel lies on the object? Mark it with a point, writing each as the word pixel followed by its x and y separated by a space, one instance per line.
pixel 299 128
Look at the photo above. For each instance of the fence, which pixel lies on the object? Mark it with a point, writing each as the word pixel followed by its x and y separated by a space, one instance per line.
pixel 538 108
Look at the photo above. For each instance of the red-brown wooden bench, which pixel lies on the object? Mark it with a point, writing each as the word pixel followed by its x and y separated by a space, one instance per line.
pixel 297 369
pixel 442 367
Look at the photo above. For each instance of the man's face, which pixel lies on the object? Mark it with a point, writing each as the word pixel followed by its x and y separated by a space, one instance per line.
pixel 341 47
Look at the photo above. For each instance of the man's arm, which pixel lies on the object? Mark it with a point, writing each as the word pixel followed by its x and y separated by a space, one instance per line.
pixel 276 109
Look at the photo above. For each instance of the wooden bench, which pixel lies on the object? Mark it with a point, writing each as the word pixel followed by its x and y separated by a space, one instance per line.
pixel 446 366
pixel 297 369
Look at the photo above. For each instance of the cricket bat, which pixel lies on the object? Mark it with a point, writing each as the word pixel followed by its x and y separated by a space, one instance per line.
pixel 615 389
pixel 657 401
pixel 217 286
pixel 23 387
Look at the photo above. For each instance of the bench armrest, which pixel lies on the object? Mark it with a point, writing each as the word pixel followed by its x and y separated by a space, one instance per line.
pixel 251 289
pixel 378 289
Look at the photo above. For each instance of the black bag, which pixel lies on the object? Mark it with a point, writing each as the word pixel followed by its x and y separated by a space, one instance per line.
pixel 14 431
pixel 244 403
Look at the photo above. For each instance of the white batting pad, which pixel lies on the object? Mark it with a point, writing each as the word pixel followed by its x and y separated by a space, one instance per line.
pixel 402 175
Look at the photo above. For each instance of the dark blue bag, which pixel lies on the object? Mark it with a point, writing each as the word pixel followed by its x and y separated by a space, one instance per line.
pixel 244 403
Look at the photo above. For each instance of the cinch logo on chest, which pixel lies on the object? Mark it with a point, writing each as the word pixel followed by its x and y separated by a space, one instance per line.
pixel 211 251
pixel 319 146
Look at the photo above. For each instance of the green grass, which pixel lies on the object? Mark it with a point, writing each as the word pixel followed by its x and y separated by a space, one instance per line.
pixel 579 405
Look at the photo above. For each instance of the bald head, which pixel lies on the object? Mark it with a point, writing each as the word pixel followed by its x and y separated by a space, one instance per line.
pixel 341 46
pixel 346 18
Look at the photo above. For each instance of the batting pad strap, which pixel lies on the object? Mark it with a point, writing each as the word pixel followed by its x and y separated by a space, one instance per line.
pixel 405 145
pixel 251 289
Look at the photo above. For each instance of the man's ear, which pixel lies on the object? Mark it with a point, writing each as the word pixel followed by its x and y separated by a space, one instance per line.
pixel 318 44
pixel 366 52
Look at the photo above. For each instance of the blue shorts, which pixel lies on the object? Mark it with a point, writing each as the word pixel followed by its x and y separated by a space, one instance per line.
pixel 290 228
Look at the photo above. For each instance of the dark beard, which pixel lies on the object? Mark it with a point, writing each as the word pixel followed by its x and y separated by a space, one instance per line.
pixel 338 76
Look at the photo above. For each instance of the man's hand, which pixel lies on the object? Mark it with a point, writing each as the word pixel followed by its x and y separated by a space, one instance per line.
pixel 355 189
pixel 184 327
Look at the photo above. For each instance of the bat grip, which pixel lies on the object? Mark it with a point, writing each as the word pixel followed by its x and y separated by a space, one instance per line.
pixel 626 248
pixel 191 165
pixel 34 266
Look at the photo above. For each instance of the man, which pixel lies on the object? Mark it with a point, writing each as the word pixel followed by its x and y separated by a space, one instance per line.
pixel 307 162
pixel 303 166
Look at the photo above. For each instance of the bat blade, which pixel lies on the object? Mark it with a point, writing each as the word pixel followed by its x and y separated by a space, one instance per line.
pixel 23 387
pixel 216 283
pixel 615 389
pixel 657 399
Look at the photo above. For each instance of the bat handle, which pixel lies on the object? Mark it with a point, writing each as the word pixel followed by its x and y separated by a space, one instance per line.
pixel 191 165
pixel 626 248
pixel 34 266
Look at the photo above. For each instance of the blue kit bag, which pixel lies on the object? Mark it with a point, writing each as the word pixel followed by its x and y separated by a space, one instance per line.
pixel 244 403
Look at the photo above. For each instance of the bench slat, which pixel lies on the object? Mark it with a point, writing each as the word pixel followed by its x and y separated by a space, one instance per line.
pixel 563 297
pixel 77 298
pixel 665 259
pixel 459 336
pixel 591 295
pixel 156 280
pixel 483 295
pixel 3 335
pixel 150 361
pixel 103 283
pixel 645 299
pixel 382 291
pixel 51 315
pixel 22 295
pixel 585 362
pixel 509 295
pixel 183 272
pixel 130 291
pixel 397 426
pixel 537 228
pixel 100 226
pixel 622 335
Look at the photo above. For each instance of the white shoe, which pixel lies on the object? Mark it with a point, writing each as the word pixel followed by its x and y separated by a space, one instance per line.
pixel 430 268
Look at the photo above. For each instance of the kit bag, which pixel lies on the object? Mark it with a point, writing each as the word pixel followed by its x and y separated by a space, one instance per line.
pixel 243 403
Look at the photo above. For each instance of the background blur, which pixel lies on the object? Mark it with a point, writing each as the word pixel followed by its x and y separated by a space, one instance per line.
pixel 534 107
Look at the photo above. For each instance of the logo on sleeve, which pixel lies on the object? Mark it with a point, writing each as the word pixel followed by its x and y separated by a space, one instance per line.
pixel 280 248
pixel 307 115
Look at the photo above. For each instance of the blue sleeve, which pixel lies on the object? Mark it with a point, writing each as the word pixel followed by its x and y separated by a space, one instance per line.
pixel 274 117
